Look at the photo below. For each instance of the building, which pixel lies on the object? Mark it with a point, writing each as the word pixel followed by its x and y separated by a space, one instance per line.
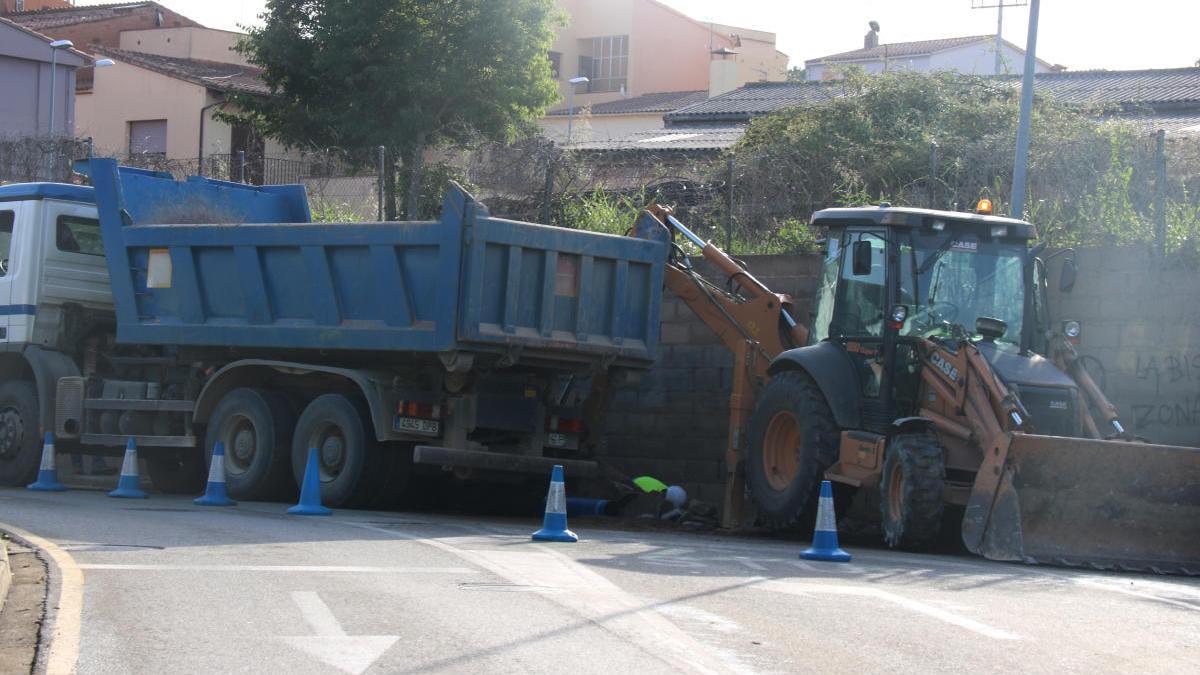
pixel 90 26
pixel 12 6
pixel 645 52
pixel 971 55
pixel 26 77
pixel 619 118
pixel 162 105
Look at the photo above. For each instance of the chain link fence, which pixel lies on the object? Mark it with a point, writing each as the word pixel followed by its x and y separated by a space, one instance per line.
pixel 1124 187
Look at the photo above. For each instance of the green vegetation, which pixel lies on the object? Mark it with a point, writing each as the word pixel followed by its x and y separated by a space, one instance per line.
pixel 1091 181
pixel 407 74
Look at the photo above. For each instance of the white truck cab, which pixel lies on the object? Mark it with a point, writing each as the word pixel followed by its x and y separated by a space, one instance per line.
pixel 51 260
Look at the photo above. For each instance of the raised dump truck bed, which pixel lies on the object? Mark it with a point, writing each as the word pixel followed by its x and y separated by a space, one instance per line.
pixel 209 263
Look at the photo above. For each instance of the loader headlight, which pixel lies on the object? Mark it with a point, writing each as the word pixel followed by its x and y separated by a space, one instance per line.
pixel 1071 329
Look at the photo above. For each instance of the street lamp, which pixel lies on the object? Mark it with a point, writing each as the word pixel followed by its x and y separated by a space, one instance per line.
pixel 574 82
pixel 54 47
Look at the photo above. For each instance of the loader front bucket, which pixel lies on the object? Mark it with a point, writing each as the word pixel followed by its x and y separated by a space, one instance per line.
pixel 1082 502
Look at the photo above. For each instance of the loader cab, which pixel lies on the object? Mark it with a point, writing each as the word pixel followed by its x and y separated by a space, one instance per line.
pixel 892 276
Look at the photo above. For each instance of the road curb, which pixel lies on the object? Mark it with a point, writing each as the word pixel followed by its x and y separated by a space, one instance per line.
pixel 5 573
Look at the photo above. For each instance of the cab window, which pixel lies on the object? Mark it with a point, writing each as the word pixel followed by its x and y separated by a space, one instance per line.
pixel 860 302
pixel 79 235
pixel 6 231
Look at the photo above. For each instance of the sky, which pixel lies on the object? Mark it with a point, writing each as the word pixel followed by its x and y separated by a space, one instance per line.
pixel 1080 34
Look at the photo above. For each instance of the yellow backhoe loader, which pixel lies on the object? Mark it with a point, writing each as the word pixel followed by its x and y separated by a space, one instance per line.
pixel 926 376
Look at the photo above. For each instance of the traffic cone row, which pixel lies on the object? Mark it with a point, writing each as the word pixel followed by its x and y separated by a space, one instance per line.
pixel 554 523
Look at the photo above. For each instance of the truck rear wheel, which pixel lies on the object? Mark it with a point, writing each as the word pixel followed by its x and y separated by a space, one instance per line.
pixel 256 428
pixel 348 457
pixel 792 440
pixel 20 442
pixel 911 501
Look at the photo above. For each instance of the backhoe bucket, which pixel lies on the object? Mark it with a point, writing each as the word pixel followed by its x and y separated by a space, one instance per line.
pixel 1089 503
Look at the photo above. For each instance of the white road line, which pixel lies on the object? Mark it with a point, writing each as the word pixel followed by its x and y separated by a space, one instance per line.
pixel 592 597
pixel 1093 583
pixel 802 588
pixel 752 565
pixel 304 569
pixel 807 567
pixel 317 614
pixel 63 617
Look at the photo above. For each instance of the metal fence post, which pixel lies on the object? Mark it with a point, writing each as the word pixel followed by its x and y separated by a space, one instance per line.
pixel 729 205
pixel 548 194
pixel 379 195
pixel 934 180
pixel 242 163
pixel 1160 192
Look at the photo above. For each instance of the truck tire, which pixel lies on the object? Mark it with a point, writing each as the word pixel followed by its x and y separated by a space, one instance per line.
pixel 792 440
pixel 350 461
pixel 20 437
pixel 910 499
pixel 256 428
pixel 177 472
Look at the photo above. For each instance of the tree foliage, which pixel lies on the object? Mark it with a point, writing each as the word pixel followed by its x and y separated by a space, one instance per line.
pixel 874 137
pixel 406 74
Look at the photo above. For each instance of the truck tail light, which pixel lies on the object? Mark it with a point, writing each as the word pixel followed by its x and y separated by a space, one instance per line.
pixel 420 410
pixel 563 425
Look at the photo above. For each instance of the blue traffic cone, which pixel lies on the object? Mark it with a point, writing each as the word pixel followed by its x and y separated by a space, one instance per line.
pixel 215 494
pixel 128 486
pixel 310 491
pixel 554 525
pixel 47 479
pixel 825 539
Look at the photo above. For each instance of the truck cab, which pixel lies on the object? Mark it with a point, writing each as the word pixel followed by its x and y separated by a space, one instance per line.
pixel 54 293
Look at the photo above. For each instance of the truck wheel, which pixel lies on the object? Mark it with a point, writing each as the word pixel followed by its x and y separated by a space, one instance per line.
pixel 910 501
pixel 348 457
pixel 256 428
pixel 20 440
pixel 177 472
pixel 792 440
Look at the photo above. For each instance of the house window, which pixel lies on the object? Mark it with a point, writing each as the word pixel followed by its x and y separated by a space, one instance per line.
pixel 148 137
pixel 79 235
pixel 605 61
pixel 555 64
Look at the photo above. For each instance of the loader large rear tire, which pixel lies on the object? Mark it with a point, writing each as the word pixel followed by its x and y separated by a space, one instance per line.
pixel 792 440
pixel 911 502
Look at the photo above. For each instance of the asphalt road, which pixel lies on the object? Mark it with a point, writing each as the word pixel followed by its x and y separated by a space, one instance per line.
pixel 160 586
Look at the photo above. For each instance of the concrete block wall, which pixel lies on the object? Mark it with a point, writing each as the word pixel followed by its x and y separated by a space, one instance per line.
pixel 1140 316
pixel 674 425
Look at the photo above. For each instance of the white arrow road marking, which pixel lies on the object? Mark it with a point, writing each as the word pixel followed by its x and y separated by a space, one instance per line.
pixel 348 653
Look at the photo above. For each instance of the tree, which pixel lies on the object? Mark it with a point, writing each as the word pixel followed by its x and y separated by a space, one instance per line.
pixel 406 74
pixel 797 74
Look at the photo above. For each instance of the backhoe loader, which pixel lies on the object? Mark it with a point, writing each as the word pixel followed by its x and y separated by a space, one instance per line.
pixel 927 376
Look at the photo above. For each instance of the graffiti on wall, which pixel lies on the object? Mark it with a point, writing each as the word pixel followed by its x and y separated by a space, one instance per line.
pixel 1176 380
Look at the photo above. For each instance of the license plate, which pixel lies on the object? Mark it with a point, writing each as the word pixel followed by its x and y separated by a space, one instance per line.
pixel 416 425
pixel 556 440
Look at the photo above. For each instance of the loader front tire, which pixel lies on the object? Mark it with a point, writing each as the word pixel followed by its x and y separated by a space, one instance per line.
pixel 792 440
pixel 911 501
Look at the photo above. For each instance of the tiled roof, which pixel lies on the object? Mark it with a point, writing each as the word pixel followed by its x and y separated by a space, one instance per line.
pixel 757 98
pixel 5 21
pixel 1121 87
pixel 647 103
pixel 902 49
pixel 1125 88
pixel 695 139
pixel 42 19
pixel 212 74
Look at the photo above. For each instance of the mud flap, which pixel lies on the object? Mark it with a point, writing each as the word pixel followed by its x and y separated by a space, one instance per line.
pixel 1089 503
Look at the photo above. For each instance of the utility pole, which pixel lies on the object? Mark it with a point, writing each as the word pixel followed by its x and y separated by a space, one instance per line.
pixel 1020 165
pixel 999 6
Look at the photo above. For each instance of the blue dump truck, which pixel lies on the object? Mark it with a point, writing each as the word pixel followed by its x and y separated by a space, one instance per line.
pixel 183 313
